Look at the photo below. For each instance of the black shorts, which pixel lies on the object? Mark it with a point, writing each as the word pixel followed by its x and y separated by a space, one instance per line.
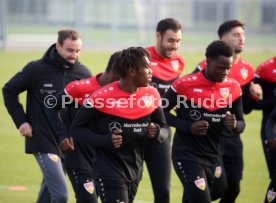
pixel 83 184
pixel 197 180
pixel 112 191
pixel 232 157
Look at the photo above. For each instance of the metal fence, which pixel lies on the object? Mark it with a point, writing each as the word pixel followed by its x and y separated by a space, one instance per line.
pixel 113 23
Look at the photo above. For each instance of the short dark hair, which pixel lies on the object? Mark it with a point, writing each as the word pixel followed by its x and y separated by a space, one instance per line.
pixel 168 24
pixel 229 25
pixel 218 48
pixel 132 57
pixel 67 33
pixel 112 61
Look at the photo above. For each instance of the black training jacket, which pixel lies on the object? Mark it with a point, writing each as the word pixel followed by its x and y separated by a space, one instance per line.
pixel 42 79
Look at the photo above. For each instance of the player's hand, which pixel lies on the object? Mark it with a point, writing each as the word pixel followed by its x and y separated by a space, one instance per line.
pixel 26 130
pixel 272 144
pixel 230 120
pixel 255 90
pixel 67 144
pixel 117 138
pixel 200 127
pixel 152 130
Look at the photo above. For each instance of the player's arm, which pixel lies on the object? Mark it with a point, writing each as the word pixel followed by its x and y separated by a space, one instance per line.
pixel 19 83
pixel 249 99
pixel 158 119
pixel 169 101
pixel 80 128
pixel 237 112
pixel 263 104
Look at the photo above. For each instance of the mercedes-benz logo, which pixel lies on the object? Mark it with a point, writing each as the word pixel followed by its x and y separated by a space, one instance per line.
pixel 114 126
pixel 195 115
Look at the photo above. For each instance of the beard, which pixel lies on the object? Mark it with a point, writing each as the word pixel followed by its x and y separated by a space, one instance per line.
pixel 237 51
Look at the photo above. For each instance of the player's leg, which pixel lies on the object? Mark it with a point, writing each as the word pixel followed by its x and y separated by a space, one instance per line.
pixel 83 184
pixel 220 181
pixel 271 193
pixel 196 180
pixel 112 191
pixel 233 164
pixel 53 175
pixel 44 195
pixel 158 161
pixel 132 191
pixel 266 151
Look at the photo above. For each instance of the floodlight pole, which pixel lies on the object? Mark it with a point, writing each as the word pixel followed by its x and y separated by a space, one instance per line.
pixel 3 23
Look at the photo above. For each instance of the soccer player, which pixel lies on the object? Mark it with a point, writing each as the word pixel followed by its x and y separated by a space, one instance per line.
pixel 123 114
pixel 166 67
pixel 206 103
pixel 229 171
pixel 265 76
pixel 270 133
pixel 43 79
pixel 79 157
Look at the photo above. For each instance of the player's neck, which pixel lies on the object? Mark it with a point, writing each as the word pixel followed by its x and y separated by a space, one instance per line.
pixel 127 86
pixel 236 58
pixel 103 79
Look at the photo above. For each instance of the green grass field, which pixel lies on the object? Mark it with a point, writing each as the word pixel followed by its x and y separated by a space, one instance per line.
pixel 19 169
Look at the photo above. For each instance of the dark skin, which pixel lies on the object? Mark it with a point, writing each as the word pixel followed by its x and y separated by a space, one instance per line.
pixel 216 71
pixel 130 84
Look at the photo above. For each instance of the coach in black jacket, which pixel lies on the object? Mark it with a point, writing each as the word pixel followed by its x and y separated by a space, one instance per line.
pixel 43 79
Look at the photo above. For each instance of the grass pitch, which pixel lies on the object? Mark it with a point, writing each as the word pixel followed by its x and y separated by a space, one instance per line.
pixel 19 169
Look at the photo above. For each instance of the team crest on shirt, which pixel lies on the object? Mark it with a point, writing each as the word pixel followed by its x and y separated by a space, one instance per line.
pixel 175 65
pixel 244 73
pixel 89 187
pixel 53 157
pixel 200 183
pixel 218 171
pixel 224 92
pixel 270 195
pixel 148 101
